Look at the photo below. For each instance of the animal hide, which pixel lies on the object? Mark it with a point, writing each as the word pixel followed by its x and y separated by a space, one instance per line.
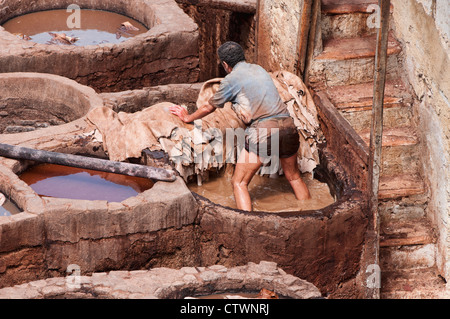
pixel 200 146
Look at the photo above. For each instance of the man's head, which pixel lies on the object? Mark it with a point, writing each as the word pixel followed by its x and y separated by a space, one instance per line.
pixel 231 53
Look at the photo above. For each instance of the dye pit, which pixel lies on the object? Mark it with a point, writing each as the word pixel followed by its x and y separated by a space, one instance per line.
pixel 96 27
pixel 75 183
pixel 268 194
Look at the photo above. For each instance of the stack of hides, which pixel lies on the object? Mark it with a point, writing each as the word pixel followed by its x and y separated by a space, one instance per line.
pixel 196 147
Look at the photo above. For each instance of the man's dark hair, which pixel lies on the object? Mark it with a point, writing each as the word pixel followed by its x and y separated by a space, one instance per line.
pixel 231 53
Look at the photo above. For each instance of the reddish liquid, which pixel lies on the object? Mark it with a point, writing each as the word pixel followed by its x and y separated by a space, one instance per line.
pixel 75 183
pixel 96 26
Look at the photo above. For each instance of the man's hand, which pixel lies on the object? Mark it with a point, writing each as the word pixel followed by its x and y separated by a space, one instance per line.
pixel 181 112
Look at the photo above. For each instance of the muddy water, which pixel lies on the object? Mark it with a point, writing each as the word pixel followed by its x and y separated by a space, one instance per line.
pixel 268 194
pixel 75 183
pixel 97 27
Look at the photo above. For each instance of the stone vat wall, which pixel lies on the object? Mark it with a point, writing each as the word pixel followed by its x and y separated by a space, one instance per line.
pixel 345 148
pixel 166 283
pixel 136 100
pixel 167 53
pixel 343 143
pixel 151 229
pixel 278 29
pixel 29 101
pixel 324 247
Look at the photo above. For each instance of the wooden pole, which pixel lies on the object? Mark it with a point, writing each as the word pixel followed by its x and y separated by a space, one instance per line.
pixel 376 134
pixel 313 39
pixel 24 153
pixel 303 35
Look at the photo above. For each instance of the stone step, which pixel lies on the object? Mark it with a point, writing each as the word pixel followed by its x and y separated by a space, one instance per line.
pixel 359 97
pixel 400 154
pixel 351 61
pixel 425 283
pixel 413 231
pixel 400 160
pixel 355 48
pixel 397 186
pixel 407 257
pixel 347 25
pixel 403 209
pixel 398 136
pixel 393 117
pixel 325 73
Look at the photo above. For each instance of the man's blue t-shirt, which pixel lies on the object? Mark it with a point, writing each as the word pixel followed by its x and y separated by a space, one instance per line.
pixel 252 93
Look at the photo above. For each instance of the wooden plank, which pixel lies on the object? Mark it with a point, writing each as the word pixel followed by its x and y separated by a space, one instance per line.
pixel 409 232
pixel 394 137
pixel 241 6
pixel 414 240
pixel 361 95
pixel 355 48
pixel 397 186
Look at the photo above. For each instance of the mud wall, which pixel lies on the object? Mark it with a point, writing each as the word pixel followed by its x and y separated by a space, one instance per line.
pixel 424 29
pixel 277 40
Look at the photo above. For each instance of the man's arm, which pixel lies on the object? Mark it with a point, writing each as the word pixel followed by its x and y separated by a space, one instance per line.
pixel 201 112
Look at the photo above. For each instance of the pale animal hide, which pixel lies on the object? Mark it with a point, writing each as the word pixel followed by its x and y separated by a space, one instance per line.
pixel 194 148
pixel 302 109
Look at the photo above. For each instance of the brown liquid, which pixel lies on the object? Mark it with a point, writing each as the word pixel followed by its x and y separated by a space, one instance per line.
pixel 97 27
pixel 268 194
pixel 76 183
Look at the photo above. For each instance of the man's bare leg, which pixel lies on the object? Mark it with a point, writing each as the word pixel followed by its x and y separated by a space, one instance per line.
pixel 246 167
pixel 292 173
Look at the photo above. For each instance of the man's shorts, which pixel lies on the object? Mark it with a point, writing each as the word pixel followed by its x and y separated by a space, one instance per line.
pixel 261 135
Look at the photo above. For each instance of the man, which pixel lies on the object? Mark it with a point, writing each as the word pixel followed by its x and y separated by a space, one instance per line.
pixel 257 102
